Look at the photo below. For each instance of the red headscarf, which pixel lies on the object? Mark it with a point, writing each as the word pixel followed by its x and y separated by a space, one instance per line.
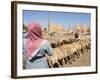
pixel 35 40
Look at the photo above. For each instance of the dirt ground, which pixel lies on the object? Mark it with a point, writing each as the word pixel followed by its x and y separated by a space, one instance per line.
pixel 83 60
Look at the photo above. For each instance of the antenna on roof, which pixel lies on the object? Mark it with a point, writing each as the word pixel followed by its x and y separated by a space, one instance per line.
pixel 48 21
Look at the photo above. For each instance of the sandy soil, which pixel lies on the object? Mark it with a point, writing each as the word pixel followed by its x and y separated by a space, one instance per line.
pixel 83 60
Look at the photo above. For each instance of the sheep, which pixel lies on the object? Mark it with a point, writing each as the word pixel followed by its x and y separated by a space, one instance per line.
pixel 66 51
pixel 57 54
pixel 53 59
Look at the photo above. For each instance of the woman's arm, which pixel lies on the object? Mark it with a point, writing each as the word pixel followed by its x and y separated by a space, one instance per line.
pixel 49 50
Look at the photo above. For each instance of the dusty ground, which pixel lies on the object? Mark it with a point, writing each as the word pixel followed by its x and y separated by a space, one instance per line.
pixel 83 60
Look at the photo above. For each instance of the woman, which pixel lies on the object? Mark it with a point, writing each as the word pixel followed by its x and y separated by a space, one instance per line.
pixel 36 48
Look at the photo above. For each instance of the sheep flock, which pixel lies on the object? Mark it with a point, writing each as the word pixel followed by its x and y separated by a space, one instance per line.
pixel 67 51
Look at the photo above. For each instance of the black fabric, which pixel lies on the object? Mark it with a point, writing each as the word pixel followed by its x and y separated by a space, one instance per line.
pixel 36 57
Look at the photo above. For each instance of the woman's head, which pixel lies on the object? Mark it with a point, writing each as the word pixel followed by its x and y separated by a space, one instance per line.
pixel 34 31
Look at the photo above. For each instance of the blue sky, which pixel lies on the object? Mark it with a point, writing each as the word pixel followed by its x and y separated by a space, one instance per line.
pixel 67 19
